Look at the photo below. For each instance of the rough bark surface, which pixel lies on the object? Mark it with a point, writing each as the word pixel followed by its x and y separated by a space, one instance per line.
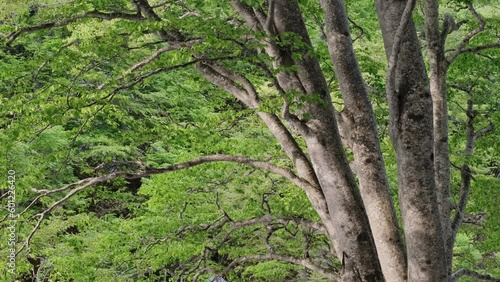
pixel 410 110
pixel 359 119
pixel 352 239
pixel 438 70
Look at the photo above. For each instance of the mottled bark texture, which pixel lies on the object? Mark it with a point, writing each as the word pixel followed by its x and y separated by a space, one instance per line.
pixel 438 70
pixel 359 121
pixel 411 118
pixel 351 234
pixel 367 253
pixel 352 239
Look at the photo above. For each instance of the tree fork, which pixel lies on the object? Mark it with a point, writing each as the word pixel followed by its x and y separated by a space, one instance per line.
pixel 411 118
pixel 353 238
pixel 358 116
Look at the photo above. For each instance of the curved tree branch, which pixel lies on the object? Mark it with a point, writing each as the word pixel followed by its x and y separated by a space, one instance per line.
pixel 155 55
pixel 466 175
pixel 480 48
pixel 64 22
pixel 461 48
pixel 221 221
pixel 293 260
pixel 225 79
pixel 88 182
pixel 466 272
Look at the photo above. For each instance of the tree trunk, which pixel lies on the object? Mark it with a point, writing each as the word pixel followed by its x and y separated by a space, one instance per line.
pixel 411 118
pixel 352 239
pixel 438 70
pixel 363 140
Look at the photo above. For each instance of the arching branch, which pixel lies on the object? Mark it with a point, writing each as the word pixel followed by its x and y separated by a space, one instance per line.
pixel 88 182
pixel 155 55
pixel 221 221
pixel 293 260
pixel 466 272
pixel 462 47
pixel 64 22
pixel 230 81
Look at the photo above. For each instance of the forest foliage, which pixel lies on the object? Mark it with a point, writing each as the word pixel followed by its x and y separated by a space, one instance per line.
pixel 80 99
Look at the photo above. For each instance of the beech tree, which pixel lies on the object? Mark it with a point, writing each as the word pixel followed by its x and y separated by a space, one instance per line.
pixel 263 54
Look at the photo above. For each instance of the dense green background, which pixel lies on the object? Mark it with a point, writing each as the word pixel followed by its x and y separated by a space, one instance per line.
pixel 66 117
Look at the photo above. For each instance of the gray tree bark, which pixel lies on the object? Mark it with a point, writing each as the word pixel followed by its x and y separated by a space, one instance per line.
pixel 352 237
pixel 418 132
pixel 438 71
pixel 359 120
pixel 411 122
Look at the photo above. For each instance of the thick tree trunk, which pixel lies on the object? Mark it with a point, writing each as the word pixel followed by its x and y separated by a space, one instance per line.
pixel 363 140
pixel 352 239
pixel 411 116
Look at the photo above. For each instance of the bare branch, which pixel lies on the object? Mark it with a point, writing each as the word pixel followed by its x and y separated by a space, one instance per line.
pixel 483 131
pixel 293 260
pixel 467 90
pixel 461 47
pixel 466 175
pixel 218 223
pixel 355 25
pixel 170 47
pixel 480 48
pixel 225 79
pixel 112 16
pixel 221 221
pixel 252 93
pixel 88 182
pixel 288 174
pixel 466 272
pixel 92 14
pixel 73 192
